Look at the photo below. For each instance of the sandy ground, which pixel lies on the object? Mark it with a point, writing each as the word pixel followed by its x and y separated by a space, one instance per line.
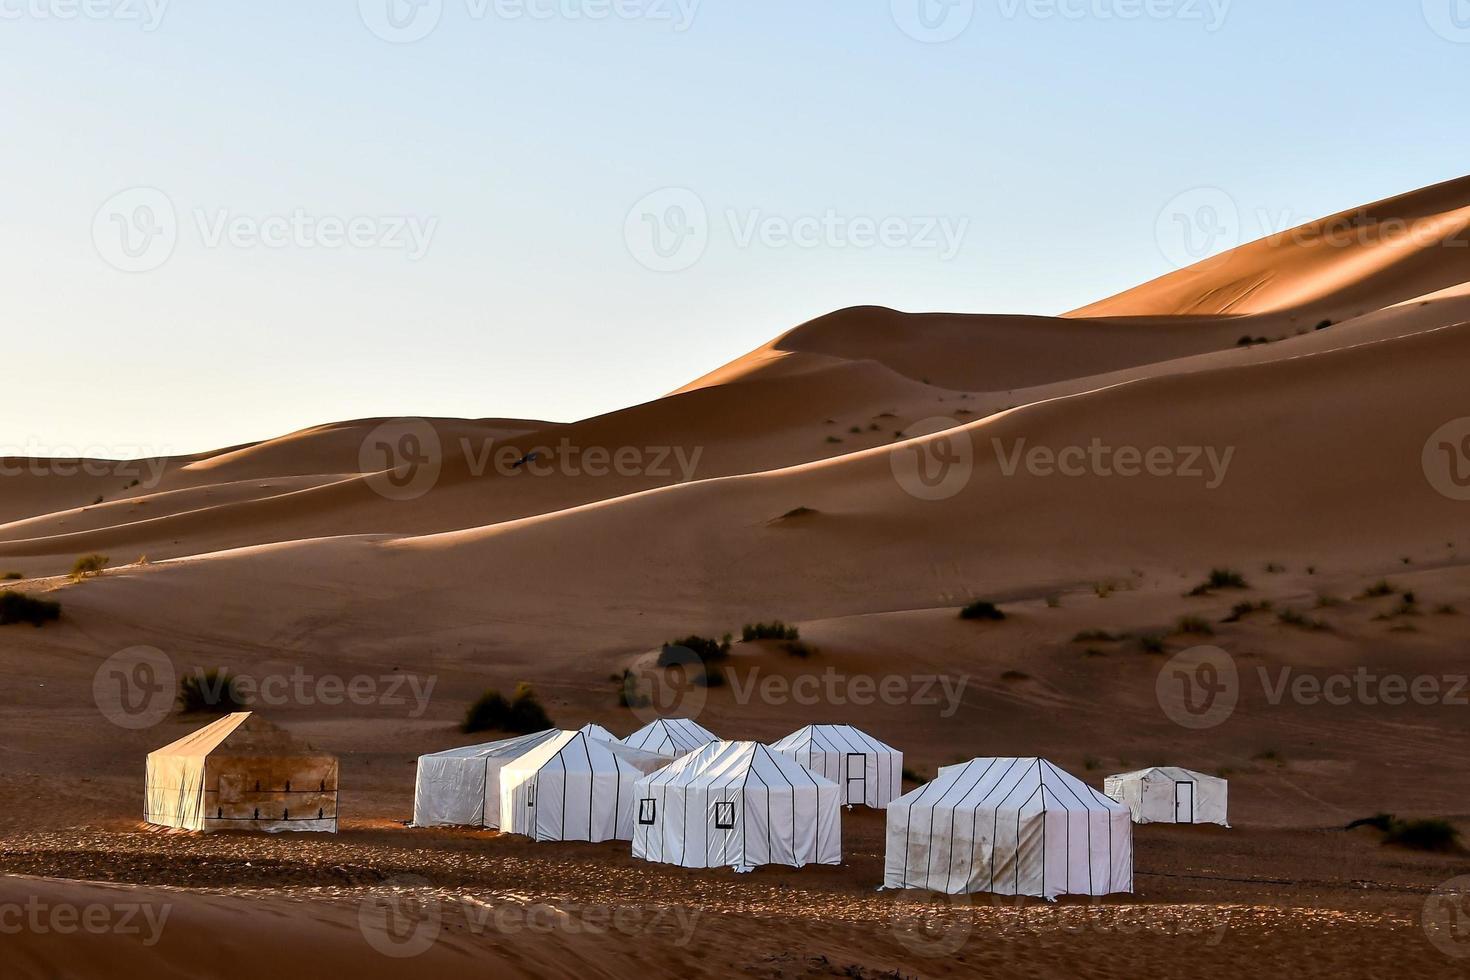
pixel 859 477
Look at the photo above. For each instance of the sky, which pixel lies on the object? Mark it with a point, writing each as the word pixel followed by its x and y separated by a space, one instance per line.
pixel 225 222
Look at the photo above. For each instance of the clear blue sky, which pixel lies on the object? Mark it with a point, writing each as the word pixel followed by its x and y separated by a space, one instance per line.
pixel 1054 134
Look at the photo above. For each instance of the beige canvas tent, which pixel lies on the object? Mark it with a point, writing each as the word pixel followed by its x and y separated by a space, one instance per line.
pixel 241 773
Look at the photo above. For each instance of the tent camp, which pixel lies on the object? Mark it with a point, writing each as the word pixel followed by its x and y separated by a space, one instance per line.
pixel 241 773
pixel 671 737
pixel 461 787
pixel 597 731
pixel 574 787
pixel 1168 794
pixel 1009 827
pixel 739 804
pixel 868 772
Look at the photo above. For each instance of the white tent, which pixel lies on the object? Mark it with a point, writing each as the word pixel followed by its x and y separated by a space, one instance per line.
pixel 573 787
pixel 1009 827
pixel 597 731
pixel 869 772
pixel 241 773
pixel 671 737
pixel 739 804
pixel 461 787
pixel 1168 794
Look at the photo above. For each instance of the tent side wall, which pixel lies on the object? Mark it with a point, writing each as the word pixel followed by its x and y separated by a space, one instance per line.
pixel 270 793
pixel 173 792
pixel 556 804
pixel 451 792
pixel 766 825
pixel 877 780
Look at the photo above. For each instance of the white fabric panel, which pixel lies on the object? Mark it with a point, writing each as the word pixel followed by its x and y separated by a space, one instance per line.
pixel 671 737
pixel 773 810
pixel 461 787
pixel 1152 795
pixel 1009 827
pixel 573 787
pixel 836 751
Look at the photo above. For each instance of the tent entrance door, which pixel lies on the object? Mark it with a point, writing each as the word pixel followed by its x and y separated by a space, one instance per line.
pixel 1184 802
pixel 857 777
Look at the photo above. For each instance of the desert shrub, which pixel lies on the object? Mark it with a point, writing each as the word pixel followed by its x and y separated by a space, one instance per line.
pixel 629 693
pixel 796 648
pixel 676 652
pixel 1379 821
pixel 1299 619
pixel 1270 755
pixel 1423 835
pixel 1220 578
pixel 208 692
pixel 1243 609
pixel 980 609
pixel 1446 610
pixel 911 776
pixel 1094 652
pixel 1324 324
pixel 1195 625
pixel 1328 602
pixel 710 678
pixel 797 512
pixel 88 566
pixel 1015 675
pixel 12 576
pixel 833 439
pixel 775 630
pixel 1150 643
pixel 1053 602
pixel 1091 763
pixel 1096 636
pixel 17 607
pixel 520 715
pixel 1383 587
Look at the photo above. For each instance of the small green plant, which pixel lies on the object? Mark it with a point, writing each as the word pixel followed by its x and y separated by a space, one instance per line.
pixel 1243 609
pixel 796 648
pixel 88 566
pixel 711 677
pixel 1195 625
pixel 1274 568
pixel 1091 763
pixel 1220 578
pixel 522 714
pixel 1053 602
pixel 980 609
pixel 1380 589
pixel 1328 602
pixel 1097 636
pixel 1446 610
pixel 1300 620
pixel 630 695
pixel 833 439
pixel 17 607
pixel 209 692
pixel 1423 835
pixel 677 652
pixel 12 576
pixel 912 775
pixel 775 630
pixel 1151 643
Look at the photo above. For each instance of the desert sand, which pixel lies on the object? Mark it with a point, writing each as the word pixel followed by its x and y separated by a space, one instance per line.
pixel 862 476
